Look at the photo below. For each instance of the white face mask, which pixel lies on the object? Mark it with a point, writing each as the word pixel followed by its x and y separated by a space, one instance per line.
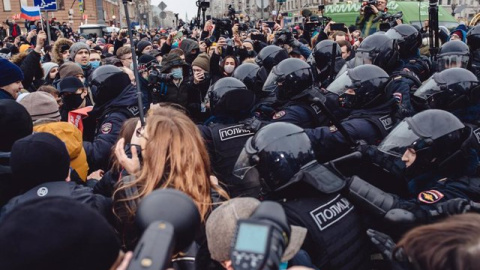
pixel 229 68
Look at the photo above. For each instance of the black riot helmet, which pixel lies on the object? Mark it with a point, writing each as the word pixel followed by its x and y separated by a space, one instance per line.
pixel 451 89
pixel 452 54
pixel 322 54
pixel 473 38
pixel 408 38
pixel 379 50
pixel 248 73
pixel 230 97
pixel 276 152
pixel 367 81
pixel 433 135
pixel 270 56
pixel 289 78
pixel 107 83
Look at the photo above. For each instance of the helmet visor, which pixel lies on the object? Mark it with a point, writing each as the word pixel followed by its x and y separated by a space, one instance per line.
pixel 341 84
pixel 428 89
pixel 244 161
pixel 364 58
pixel 452 61
pixel 393 34
pixel 397 142
pixel 271 83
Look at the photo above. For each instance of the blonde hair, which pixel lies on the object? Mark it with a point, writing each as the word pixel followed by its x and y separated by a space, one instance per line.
pixel 175 156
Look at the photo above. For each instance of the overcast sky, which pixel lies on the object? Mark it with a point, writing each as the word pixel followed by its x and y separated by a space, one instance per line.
pixel 180 7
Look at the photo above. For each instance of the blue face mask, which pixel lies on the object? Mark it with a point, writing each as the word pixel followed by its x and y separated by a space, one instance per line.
pixel 177 73
pixel 95 64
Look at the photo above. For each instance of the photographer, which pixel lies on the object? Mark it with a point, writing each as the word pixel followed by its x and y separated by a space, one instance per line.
pixel 368 12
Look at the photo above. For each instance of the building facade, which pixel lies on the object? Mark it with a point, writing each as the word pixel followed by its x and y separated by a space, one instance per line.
pixel 110 12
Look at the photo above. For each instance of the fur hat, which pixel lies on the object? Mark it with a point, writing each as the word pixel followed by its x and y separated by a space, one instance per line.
pixel 60 44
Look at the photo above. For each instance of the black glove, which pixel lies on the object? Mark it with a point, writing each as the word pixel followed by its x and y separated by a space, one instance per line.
pixel 252 124
pixel 385 244
pixel 455 206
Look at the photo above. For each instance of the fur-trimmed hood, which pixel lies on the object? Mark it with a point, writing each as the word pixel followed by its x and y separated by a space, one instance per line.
pixel 57 55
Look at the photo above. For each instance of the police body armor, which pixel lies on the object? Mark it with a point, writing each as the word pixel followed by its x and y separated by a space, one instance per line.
pixel 228 141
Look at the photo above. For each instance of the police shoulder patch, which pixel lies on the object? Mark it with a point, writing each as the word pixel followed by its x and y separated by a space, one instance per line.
pixel 106 128
pixel 386 121
pixel 279 114
pixel 430 196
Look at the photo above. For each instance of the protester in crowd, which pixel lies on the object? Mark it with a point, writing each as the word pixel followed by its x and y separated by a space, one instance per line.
pixel 73 94
pixel 50 71
pixel 53 242
pixel 176 90
pixel 80 54
pixel 125 55
pixel 43 109
pixel 14 28
pixel 60 50
pixel 163 144
pixel 11 77
pixel 15 123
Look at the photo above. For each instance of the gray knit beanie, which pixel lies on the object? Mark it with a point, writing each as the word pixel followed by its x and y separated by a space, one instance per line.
pixel 77 47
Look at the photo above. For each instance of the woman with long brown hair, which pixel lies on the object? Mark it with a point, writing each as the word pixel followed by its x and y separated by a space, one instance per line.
pixel 174 156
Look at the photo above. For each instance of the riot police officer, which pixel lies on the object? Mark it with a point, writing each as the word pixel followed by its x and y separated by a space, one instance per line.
pixel 282 157
pixel 382 51
pixel 251 76
pixel 455 90
pixel 270 56
pixel 292 83
pixel 452 54
pixel 409 40
pixel 361 89
pixel 326 60
pixel 115 101
pixel 473 42
pixel 430 144
pixel 230 102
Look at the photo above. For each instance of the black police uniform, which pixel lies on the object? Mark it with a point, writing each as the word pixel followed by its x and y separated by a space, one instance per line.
pixel 109 117
pixel 473 42
pixel 326 65
pixel 281 154
pixel 301 112
pixel 230 103
pixel 336 237
pixel 224 143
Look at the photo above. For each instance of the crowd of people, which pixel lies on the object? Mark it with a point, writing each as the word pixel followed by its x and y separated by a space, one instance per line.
pixel 369 140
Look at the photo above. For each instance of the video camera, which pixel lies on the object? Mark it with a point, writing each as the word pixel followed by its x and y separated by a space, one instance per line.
pixel 282 37
pixel 367 4
pixel 388 20
pixel 261 240
pixel 169 219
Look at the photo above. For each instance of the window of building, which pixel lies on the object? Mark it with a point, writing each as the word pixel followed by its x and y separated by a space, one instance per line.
pixel 6 5
pixel 449 2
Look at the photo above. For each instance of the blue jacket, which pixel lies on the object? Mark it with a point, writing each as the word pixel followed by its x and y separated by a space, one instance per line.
pixel 5 95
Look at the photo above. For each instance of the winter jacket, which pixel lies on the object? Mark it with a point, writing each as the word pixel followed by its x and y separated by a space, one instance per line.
pixel 72 137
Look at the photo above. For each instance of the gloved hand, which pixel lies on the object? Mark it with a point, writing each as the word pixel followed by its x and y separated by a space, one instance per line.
pixel 252 124
pixel 385 244
pixel 455 206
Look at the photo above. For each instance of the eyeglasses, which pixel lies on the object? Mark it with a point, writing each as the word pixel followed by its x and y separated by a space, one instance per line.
pixel 139 132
